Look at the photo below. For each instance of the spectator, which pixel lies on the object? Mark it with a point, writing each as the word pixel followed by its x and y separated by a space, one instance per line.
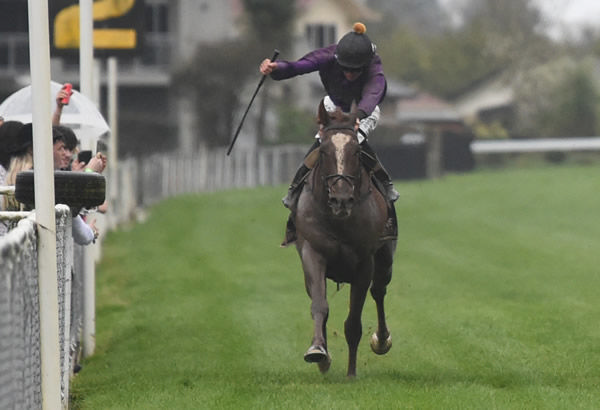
pixel 9 133
pixel 20 150
pixel 65 143
pixel 96 164
pixel 62 153
pixel 60 97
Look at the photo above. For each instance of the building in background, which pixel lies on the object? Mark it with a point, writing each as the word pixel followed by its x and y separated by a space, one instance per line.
pixel 149 113
pixel 152 116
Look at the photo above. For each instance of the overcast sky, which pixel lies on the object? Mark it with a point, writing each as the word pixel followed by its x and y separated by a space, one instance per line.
pixel 564 15
pixel 572 11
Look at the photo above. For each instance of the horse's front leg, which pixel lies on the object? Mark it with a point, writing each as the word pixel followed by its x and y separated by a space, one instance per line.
pixel 314 266
pixel 381 340
pixel 353 323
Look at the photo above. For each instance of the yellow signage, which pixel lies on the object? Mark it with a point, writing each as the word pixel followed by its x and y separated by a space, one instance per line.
pixel 111 18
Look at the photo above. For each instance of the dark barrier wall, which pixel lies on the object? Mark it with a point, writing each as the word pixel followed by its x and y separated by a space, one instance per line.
pixel 456 152
pixel 403 161
pixel 408 161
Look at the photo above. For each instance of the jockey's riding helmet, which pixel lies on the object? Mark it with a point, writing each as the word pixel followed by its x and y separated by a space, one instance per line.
pixel 355 50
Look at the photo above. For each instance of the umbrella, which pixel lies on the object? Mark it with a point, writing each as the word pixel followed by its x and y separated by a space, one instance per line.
pixel 80 114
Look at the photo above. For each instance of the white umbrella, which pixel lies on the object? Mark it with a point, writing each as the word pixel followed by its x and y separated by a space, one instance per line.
pixel 80 114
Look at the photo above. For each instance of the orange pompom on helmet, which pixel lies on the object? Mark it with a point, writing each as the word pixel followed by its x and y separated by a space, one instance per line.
pixel 355 49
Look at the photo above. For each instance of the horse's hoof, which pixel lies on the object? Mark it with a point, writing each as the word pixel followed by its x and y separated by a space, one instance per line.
pixel 381 347
pixel 316 354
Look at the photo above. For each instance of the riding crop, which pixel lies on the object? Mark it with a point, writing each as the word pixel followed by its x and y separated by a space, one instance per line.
pixel 262 80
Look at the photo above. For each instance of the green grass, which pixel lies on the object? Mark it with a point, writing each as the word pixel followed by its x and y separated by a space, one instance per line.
pixel 493 304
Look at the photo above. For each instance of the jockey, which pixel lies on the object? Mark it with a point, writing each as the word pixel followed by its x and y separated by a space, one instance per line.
pixel 350 71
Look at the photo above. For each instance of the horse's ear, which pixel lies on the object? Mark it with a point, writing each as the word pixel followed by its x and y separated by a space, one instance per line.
pixel 322 115
pixel 354 110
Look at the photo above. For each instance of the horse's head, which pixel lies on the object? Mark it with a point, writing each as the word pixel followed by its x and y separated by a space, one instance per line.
pixel 340 158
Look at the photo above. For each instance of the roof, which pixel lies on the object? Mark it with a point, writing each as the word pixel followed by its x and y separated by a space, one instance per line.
pixel 493 93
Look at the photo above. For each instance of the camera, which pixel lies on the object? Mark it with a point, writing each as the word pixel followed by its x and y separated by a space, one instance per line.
pixel 84 156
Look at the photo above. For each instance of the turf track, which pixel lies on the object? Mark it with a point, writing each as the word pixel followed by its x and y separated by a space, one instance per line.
pixel 494 304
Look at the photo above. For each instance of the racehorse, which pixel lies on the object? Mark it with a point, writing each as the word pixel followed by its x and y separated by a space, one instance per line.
pixel 339 218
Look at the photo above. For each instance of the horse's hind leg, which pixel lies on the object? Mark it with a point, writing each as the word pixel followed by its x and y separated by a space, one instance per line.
pixel 381 340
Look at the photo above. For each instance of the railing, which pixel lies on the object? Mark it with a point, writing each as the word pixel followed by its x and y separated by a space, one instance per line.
pixel 140 182
pixel 20 361
pixel 536 145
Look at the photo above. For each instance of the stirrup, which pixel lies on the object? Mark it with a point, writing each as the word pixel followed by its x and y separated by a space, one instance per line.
pixel 392 194
pixel 289 200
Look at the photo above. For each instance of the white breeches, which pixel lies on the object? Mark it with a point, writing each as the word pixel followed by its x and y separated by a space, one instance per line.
pixel 366 125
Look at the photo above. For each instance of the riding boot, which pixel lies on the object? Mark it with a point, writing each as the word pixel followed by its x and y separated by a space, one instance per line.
pixel 372 163
pixel 290 199
pixel 383 177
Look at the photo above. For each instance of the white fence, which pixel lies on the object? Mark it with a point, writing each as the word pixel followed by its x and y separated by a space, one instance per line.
pixel 138 183
pixel 536 145
pixel 20 361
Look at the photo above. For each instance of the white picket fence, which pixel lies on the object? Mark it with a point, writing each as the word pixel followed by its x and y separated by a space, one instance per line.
pixel 140 182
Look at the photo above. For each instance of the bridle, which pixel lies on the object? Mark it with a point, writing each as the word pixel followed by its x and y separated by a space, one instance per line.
pixel 349 179
pixel 332 179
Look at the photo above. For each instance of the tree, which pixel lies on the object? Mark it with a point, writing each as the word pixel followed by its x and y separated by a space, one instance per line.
pixel 271 21
pixel 442 64
pixel 492 36
pixel 576 105
pixel 213 80
pixel 215 77
pixel 557 100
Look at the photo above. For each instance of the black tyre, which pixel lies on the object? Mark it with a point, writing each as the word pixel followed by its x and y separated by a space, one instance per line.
pixel 75 189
